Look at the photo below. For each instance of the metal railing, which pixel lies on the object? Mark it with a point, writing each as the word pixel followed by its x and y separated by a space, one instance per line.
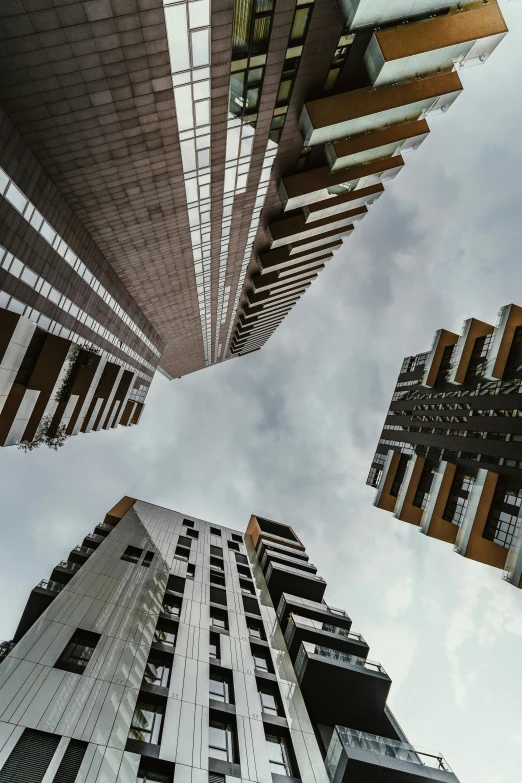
pixel 372 743
pixel 5 649
pixel 85 550
pixel 48 584
pixel 69 565
pixel 335 655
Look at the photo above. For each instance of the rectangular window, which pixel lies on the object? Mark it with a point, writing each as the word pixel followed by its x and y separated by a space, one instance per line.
pixel 218 596
pixel 193 534
pixel 215 531
pixel 132 554
pixel 171 605
pixel 216 551
pixel 261 660
pixel 157 671
pixel 255 629
pixel 233 545
pixel 188 523
pixel 243 571
pixel 241 558
pixel 147 559
pixel 155 771
pixel 176 583
pixel 217 578
pixel 214 651
pixel 191 571
pixel 219 619
pixel 236 537
pixel 269 702
pixel 78 652
pixel 247 586
pixel 147 722
pixel 220 688
pixel 165 633
pixel 222 741
pixel 279 755
pixel 181 553
pixel 215 562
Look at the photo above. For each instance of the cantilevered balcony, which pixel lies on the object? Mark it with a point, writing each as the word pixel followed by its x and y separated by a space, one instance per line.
pixel 278 557
pixel 64 571
pixel 357 755
pixel 315 610
pixel 339 688
pixel 40 598
pixel 80 554
pixel 282 578
pixel 93 541
pixel 303 629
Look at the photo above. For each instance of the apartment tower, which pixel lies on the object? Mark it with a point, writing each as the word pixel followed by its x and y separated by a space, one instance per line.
pixel 170 649
pixel 174 174
pixel 449 459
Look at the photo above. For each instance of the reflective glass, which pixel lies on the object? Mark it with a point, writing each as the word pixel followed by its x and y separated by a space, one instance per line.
pixel 200 48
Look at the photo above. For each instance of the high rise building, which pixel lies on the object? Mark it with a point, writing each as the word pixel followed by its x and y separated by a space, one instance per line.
pixel 449 458
pixel 170 649
pixel 174 173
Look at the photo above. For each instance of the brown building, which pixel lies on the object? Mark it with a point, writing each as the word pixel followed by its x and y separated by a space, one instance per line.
pixel 174 175
pixel 449 459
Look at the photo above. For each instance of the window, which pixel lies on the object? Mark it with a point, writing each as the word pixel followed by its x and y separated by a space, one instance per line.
pixel 233 545
pixel 279 755
pixel 220 688
pixel 269 702
pixel 155 771
pixel 216 551
pixel 247 586
pixel 191 571
pixel 215 651
pixel 217 578
pixel 236 537
pixel 181 553
pixel 217 596
pixel 157 671
pixel 215 562
pixel 132 554
pixel 256 629
pixel 147 560
pixel 146 723
pixel 185 541
pixel 250 605
pixel 261 660
pixel 165 633
pixel 219 619
pixel 176 583
pixel 171 605
pixel 222 741
pixel 78 652
pixel 243 571
pixel 215 531
pixel 241 558
pixel 193 534
pixel 188 523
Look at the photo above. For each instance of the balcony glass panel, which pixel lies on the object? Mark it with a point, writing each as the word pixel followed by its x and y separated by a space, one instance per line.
pixel 319 626
pixel 335 655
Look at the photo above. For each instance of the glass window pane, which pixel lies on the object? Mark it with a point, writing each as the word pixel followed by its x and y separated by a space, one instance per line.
pixel 177 35
pixel 199 13
pixel 299 26
pixel 200 48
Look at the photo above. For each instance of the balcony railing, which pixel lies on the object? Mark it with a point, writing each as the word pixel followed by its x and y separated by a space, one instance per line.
pixel 360 740
pixel 321 626
pixel 48 584
pixel 5 649
pixel 84 550
pixel 69 565
pixel 335 655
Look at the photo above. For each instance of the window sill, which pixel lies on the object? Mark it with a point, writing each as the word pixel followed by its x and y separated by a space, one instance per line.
pixel 224 768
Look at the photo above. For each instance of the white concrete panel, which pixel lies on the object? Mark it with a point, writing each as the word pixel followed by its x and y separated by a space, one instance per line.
pixel 226 655
pixel 128 768
pixel 105 722
pixel 42 699
pixel 110 766
pixel 59 705
pixel 189 680
pixel 54 646
pixel 6 729
pixel 177 677
pixel 21 673
pixel 25 695
pixel 122 722
pixel 202 683
pixel 88 719
pixel 55 761
pixel 186 733
pixel 169 738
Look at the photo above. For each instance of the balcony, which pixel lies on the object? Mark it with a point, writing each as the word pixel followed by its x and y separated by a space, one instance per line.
pixel 80 554
pixel 303 629
pixel 277 557
pixel 341 689
pixel 102 529
pixel 357 755
pixel 40 598
pixel 315 610
pixel 283 578
pixel 64 571
pixel 93 541
pixel 5 649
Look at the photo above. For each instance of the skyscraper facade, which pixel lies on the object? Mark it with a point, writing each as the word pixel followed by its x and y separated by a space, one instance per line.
pixel 170 649
pixel 175 173
pixel 449 458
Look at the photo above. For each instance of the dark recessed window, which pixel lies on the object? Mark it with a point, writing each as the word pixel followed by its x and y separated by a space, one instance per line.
pixel 256 630
pixel 241 558
pixel 220 687
pixel 216 562
pixel 185 541
pixel 165 633
pixel 250 605
pixel 157 670
pixel 78 652
pixel 216 551
pixel 147 559
pixel 222 741
pixel 132 554
pixel 219 619
pixel 217 578
pixel 215 650
pixel 147 722
pixel 247 586
pixel 243 571
pixel 171 605
pixel 191 571
pixel 270 702
pixel 155 771
pixel 237 538
pixel 182 553
pixel 188 523
pixel 279 755
pixel 262 660
pixel 217 595
pixel 176 583
pixel 215 531
pixel 193 533
pixel 233 545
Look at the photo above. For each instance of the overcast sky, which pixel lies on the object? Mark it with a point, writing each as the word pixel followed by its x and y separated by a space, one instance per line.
pixel 290 431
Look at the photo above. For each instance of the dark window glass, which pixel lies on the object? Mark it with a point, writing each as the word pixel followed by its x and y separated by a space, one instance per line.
pixel 132 554
pixel 171 605
pixel 256 629
pixel 147 722
pixel 247 586
pixel 215 562
pixel 222 741
pixel 233 545
pixel 236 537
pixel 215 651
pixel 216 551
pixel 241 558
pixel 220 688
pixel 218 596
pixel 269 702
pixel 182 553
pixel 217 578
pixel 219 619
pixel 176 583
pixel 78 652
pixel 165 633
pixel 147 775
pixel 215 531
pixel 193 534
pixel 185 541
pixel 188 523
pixel 243 571
pixel 147 559
pixel 191 571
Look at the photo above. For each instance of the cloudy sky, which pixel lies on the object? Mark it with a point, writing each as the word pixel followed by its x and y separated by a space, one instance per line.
pixel 289 433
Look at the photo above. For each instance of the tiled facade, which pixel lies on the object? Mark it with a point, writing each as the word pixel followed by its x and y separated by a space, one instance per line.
pixel 449 458
pixel 199 655
pixel 160 140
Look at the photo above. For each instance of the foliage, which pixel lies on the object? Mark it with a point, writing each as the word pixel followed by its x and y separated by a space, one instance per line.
pixel 79 357
pixel 54 438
